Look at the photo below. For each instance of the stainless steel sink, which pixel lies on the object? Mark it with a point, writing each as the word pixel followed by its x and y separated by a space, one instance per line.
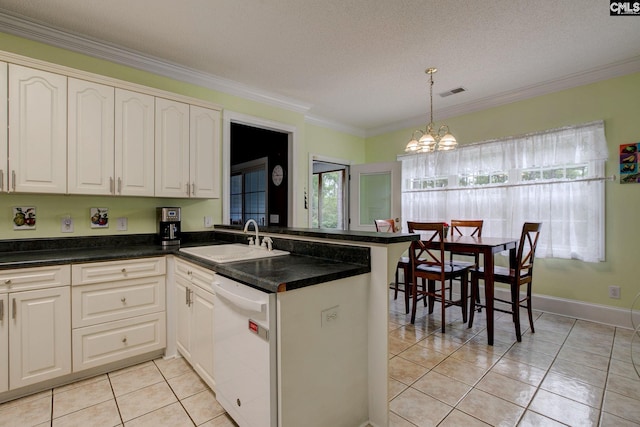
pixel 231 252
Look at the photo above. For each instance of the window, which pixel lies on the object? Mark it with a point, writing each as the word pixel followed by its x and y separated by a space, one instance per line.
pixel 248 193
pixel 555 177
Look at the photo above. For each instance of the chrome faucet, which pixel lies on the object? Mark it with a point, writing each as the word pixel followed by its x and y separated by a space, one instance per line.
pixel 246 228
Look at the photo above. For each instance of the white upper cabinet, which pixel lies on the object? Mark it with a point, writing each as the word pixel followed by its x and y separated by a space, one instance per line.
pixel 204 152
pixel 134 150
pixel 4 148
pixel 172 149
pixel 37 131
pixel 90 133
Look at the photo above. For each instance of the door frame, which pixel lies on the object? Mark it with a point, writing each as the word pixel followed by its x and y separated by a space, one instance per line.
pixel 229 117
pixel 345 195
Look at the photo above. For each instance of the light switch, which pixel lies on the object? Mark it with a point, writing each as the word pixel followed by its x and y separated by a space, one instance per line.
pixel 122 223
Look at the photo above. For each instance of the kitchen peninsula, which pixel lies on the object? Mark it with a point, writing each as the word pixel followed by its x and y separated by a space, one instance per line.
pixel 337 371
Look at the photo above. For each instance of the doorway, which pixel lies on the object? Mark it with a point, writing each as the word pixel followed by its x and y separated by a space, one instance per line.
pixel 329 189
pixel 258 183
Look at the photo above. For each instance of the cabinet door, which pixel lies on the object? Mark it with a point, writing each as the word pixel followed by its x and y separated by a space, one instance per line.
pixel 4 343
pixel 90 132
pixel 204 152
pixel 4 148
pixel 202 335
pixel 37 131
pixel 39 335
pixel 183 313
pixel 172 149
pixel 134 139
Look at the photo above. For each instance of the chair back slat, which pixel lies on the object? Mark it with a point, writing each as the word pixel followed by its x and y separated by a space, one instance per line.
pixel 465 227
pixel 385 225
pixel 424 251
pixel 527 246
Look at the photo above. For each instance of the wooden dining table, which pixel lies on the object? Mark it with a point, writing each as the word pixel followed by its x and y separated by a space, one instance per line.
pixel 488 247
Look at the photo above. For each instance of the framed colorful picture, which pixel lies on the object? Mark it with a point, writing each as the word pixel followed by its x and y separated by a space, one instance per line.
pixel 629 156
pixel 24 218
pixel 99 217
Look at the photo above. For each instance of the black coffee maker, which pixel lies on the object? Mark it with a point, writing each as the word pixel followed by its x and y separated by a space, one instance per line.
pixel 168 225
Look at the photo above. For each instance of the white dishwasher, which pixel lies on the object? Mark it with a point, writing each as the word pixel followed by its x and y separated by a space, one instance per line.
pixel 244 362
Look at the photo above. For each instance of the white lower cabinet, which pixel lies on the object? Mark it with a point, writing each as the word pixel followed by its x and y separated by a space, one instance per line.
pixel 119 310
pixel 35 325
pixel 39 338
pixel 4 343
pixel 194 301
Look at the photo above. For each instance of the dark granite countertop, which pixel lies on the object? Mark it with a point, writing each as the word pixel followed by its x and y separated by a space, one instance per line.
pixel 326 233
pixel 315 263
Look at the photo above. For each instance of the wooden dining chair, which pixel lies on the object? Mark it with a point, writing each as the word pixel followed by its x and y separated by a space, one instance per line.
pixel 520 275
pixel 430 264
pixel 389 226
pixel 466 227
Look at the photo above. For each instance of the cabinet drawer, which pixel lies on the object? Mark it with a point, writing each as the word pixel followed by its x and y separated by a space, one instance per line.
pixel 196 275
pixel 113 341
pixel 105 302
pixel 96 272
pixel 23 279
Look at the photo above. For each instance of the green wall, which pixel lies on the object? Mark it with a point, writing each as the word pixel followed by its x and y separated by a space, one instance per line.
pixel 617 102
pixel 141 211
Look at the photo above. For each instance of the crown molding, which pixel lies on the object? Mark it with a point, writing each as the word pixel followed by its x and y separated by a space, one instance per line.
pixel 609 71
pixel 35 31
pixel 330 124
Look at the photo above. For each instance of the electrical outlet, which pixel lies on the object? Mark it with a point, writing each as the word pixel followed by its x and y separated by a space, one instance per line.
pixel 208 221
pixel 66 224
pixel 122 223
pixel 614 292
pixel 329 316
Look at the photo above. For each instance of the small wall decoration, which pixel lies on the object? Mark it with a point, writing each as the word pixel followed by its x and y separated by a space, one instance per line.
pixel 99 217
pixel 629 159
pixel 24 218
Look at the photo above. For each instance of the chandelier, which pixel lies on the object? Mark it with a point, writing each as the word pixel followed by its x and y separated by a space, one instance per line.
pixel 425 141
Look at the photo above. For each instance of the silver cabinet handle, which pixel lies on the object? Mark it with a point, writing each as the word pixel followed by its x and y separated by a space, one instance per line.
pixel 124 340
pixel 119 185
pixel 123 300
pixel 193 188
pixel 111 185
pixel 190 297
pixel 186 296
pixel 1 180
pixel 124 271
pixel 13 179
pixel 1 310
pixel 7 282
pixel 187 188
pixel 14 308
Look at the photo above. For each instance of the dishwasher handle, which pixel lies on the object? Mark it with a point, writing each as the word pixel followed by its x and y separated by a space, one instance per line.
pixel 239 301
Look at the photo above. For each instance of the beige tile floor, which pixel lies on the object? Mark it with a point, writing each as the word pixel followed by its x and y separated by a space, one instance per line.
pixel 570 372
pixel 155 393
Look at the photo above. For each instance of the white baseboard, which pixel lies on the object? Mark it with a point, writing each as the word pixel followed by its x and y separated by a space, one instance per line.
pixel 599 313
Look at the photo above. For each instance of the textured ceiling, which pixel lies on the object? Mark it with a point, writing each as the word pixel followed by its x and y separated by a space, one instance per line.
pixel 361 63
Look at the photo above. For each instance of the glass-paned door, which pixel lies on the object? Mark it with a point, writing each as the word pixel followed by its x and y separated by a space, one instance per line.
pixel 374 194
pixel 327 197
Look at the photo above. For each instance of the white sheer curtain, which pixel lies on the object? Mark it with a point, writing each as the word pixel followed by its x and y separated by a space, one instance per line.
pixel 551 177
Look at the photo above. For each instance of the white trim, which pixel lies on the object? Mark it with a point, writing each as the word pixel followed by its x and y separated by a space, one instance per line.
pixel 231 116
pixel 98 49
pixel 599 313
pixel 19 26
pixel 609 71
